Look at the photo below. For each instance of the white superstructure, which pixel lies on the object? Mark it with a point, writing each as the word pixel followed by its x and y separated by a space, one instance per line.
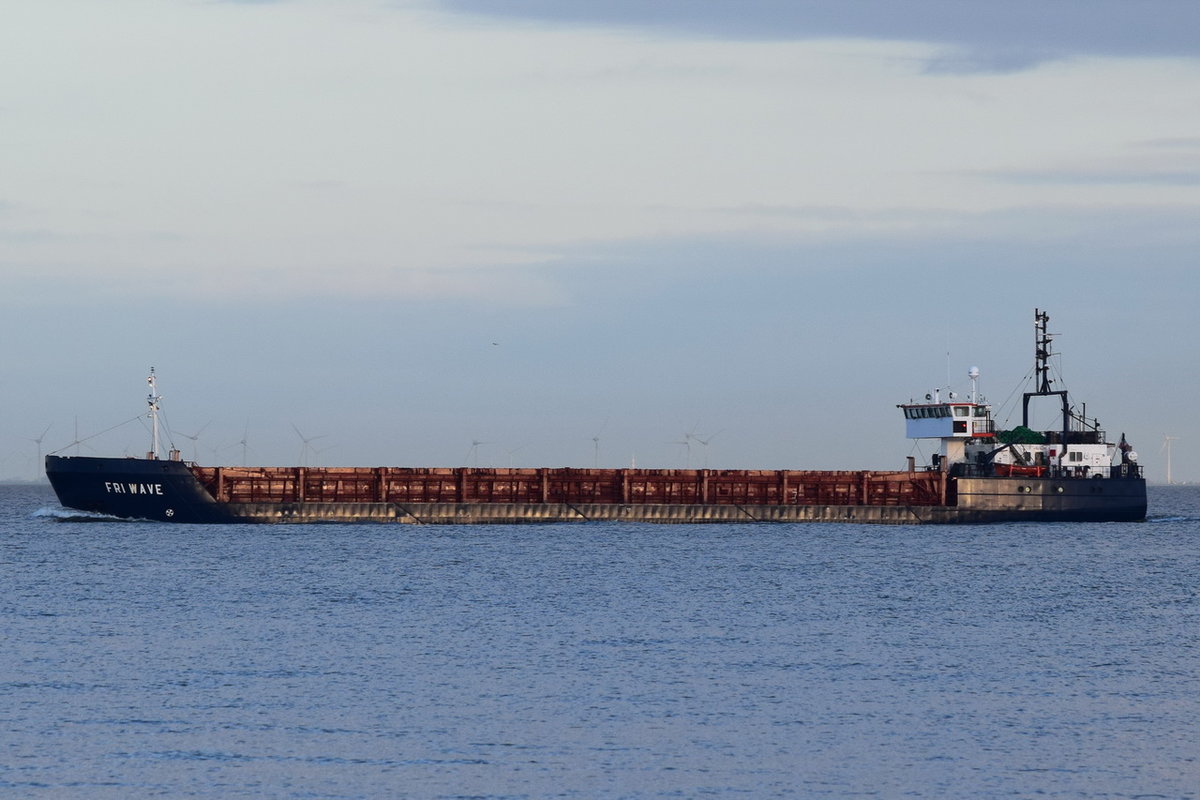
pixel 971 445
pixel 964 427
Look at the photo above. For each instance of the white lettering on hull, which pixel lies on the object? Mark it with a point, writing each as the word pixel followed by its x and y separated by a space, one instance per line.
pixel 133 488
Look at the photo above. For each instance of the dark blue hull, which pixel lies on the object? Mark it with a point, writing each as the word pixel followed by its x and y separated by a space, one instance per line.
pixel 133 488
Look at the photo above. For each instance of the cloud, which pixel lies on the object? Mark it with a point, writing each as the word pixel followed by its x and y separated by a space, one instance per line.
pixel 1102 177
pixel 1184 143
pixel 978 35
pixel 44 236
pixel 1166 162
pixel 385 151
pixel 968 61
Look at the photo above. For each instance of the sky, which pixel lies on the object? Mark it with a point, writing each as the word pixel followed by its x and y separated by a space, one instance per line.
pixel 568 233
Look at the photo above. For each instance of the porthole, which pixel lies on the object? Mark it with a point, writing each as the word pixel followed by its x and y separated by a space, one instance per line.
pixel 1058 489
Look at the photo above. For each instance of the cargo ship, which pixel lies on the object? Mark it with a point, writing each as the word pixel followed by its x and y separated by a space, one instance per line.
pixel 978 475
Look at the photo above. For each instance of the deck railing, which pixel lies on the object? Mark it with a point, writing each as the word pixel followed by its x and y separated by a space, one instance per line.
pixel 1057 473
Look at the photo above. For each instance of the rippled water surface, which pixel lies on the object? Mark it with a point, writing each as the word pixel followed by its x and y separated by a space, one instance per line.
pixel 599 660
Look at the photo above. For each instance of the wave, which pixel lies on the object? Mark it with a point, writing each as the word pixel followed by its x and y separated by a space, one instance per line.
pixel 60 514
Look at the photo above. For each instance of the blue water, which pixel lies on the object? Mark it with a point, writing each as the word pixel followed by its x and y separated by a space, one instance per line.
pixel 599 661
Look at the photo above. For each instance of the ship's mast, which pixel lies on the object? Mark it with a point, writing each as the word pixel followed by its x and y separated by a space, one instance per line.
pixel 152 400
pixel 1042 353
pixel 1041 350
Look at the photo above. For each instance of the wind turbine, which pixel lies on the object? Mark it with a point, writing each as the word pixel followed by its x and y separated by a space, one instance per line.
pixel 705 442
pixel 596 444
pixel 243 442
pixel 473 453
pixel 1166 445
pixel 511 453
pixel 306 444
pixel 38 441
pixel 686 444
pixel 195 437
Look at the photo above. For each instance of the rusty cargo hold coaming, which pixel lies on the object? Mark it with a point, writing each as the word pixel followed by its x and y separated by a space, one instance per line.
pixel 571 486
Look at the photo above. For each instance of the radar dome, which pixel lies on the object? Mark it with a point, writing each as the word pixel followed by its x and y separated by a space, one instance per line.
pixel 973 373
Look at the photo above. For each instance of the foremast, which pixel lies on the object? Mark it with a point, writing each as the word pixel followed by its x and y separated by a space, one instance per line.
pixel 153 400
pixel 154 404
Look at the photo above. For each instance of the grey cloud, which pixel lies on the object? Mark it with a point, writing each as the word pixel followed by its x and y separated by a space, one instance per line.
pixel 1101 177
pixel 1171 143
pixel 966 61
pixel 1167 161
pixel 46 236
pixel 979 35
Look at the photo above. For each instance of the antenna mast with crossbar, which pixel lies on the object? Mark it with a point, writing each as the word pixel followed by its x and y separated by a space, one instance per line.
pixel 1042 353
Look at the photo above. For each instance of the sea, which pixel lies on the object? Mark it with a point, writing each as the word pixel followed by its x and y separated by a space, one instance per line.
pixel 600 660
